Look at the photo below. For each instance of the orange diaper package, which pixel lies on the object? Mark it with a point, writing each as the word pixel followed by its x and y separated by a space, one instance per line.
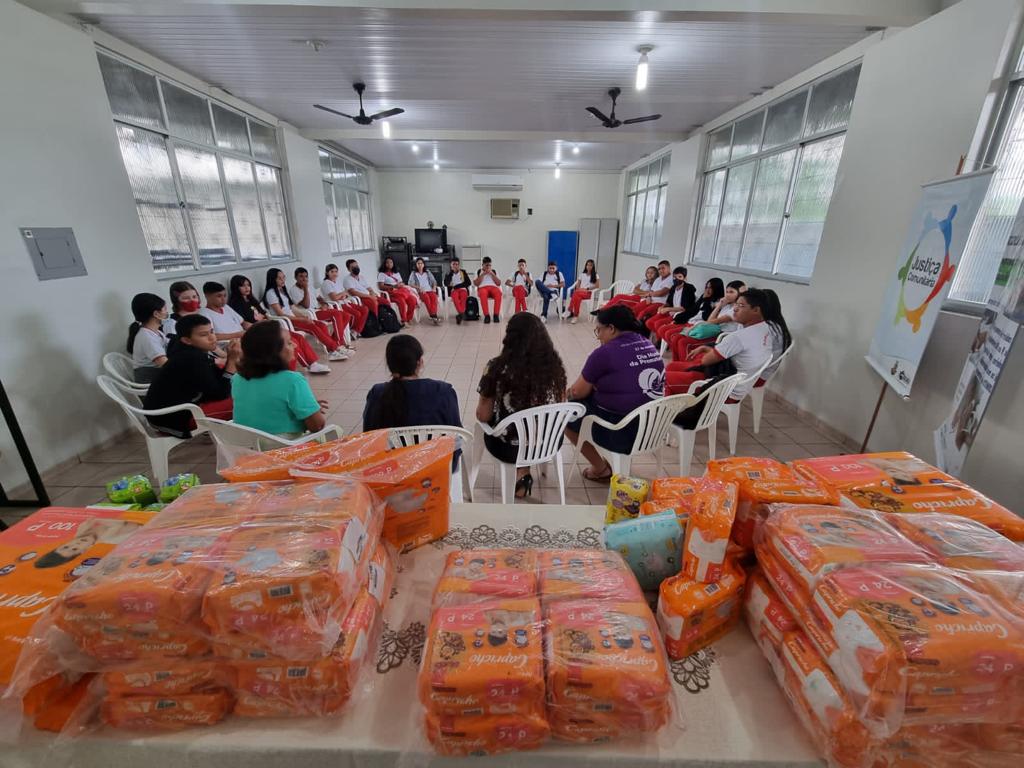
pixel 899 482
pixel 484 659
pixel 959 542
pixel 675 504
pixel 605 661
pixel 168 679
pixel 682 491
pixel 693 614
pixel 166 713
pixel 707 531
pixel 332 456
pixel 476 575
pixel 765 611
pixel 569 574
pixel 488 735
pixel 43 555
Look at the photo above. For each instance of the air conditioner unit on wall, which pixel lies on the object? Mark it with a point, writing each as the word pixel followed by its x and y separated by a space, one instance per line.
pixel 497 182
pixel 504 208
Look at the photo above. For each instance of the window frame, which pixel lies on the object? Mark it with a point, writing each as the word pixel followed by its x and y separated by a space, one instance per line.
pixel 800 143
pixel 173 139
pixel 357 183
pixel 632 231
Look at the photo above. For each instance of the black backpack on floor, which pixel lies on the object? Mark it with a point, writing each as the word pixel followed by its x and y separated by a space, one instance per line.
pixel 389 322
pixel 372 327
pixel 472 309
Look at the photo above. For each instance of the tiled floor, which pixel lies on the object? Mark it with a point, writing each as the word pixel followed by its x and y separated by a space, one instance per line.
pixel 458 355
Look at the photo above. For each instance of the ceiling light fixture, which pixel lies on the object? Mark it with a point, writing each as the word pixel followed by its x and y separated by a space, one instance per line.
pixel 437 166
pixel 641 67
pixel 558 170
pixel 385 129
pixel 575 149
pixel 415 149
pixel 315 44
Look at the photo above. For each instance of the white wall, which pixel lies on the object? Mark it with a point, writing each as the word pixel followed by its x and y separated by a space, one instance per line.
pixel 408 199
pixel 917 108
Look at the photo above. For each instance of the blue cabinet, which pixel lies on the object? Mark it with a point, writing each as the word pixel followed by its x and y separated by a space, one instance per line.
pixel 562 247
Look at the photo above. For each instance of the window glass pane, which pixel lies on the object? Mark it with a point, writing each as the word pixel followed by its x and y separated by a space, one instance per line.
pixel 188 114
pixel 204 198
pixel 746 138
pixel 264 142
pixel 272 198
pixel 627 243
pixel 132 93
pixel 650 214
pixel 638 222
pixel 718 146
pixel 666 163
pixel 812 192
pixel 986 244
pixel 662 200
pixel 734 212
pixel 767 204
pixel 231 133
pixel 355 212
pixel 149 173
pixel 344 220
pixel 784 120
pixel 338 170
pixel 364 208
pixel 633 180
pixel 831 102
pixel 364 180
pixel 245 208
pixel 707 217
pixel 332 229
pixel 325 165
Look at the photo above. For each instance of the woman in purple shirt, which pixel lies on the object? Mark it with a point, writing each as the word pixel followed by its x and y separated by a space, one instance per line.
pixel 622 374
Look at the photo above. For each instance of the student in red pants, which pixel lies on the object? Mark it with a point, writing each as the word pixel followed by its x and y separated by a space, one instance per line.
pixel 276 298
pixel 425 285
pixel 390 282
pixel 679 304
pixel 714 290
pixel 641 291
pixel 658 294
pixel 582 290
pixel 488 288
pixel 520 283
pixel 721 316
pixel 304 304
pixel 456 282
pixel 332 290
pixel 358 287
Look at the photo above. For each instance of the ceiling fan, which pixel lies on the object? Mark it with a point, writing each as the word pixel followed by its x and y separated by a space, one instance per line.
pixel 362 118
pixel 613 122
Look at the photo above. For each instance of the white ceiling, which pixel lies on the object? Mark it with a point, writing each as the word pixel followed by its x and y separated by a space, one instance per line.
pixel 480 72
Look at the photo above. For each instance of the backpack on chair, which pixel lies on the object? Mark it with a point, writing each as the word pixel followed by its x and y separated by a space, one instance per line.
pixel 389 322
pixel 472 309
pixel 372 327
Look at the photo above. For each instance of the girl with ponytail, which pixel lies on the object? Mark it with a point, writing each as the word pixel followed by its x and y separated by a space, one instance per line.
pixel 146 342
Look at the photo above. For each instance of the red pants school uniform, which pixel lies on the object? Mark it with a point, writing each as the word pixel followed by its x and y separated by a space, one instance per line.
pixel 337 319
pixel 406 301
pixel 629 299
pixel 489 293
pixel 678 379
pixel 578 297
pixel 644 311
pixel 682 345
pixel 459 296
pixel 317 329
pixel 215 409
pixel 429 299
pixel 519 294
pixel 304 354
pixel 657 322
pixel 358 313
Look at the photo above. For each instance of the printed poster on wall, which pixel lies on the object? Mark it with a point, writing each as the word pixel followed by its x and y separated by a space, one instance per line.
pixel 986 359
pixel 921 278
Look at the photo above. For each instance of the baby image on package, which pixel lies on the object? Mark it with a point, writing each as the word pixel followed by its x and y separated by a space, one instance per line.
pixel 576 573
pixel 482 574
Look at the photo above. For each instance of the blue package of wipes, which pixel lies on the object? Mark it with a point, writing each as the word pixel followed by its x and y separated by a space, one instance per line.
pixel 652 546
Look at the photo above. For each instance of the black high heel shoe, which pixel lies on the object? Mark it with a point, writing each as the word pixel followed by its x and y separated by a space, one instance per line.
pixel 524 484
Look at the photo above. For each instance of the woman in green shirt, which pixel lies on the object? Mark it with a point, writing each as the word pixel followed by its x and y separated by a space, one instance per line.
pixel 267 395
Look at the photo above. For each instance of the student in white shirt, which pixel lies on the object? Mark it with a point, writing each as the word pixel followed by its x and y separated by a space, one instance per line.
pixel 227 323
pixel 389 281
pixel 721 316
pixel 275 298
pixel 658 294
pixel 549 287
pixel 358 287
pixel 305 304
pixel 147 344
pixel 488 289
pixel 640 291
pixel 456 282
pixel 762 334
pixel 332 290
pixel 423 282
pixel 520 283
pixel 583 289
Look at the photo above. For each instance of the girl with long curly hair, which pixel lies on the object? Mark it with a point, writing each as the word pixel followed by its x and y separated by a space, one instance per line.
pixel 527 373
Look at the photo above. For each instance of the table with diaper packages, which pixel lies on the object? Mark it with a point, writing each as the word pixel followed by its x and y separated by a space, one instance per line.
pixel 728 709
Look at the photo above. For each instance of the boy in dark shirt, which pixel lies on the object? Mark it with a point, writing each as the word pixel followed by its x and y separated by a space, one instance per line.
pixel 191 376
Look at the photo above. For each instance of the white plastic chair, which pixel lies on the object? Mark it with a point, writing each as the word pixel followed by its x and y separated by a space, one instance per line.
pixel 540 432
pixel 716 395
pixel 757 393
pixel 605 294
pixel 732 410
pixel 229 437
pixel 403 436
pixel 158 444
pixel 121 369
pixel 558 302
pixel 654 428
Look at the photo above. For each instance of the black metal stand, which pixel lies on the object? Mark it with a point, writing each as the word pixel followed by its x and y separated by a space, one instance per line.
pixel 42 498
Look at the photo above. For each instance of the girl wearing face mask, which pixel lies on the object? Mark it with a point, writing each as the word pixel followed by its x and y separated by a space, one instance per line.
pixel 184 302
pixel 679 304
pixel 276 298
pixel 147 344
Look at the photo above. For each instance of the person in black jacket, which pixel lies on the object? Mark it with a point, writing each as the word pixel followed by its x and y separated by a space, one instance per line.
pixel 190 375
pixel 456 283
pixel 681 303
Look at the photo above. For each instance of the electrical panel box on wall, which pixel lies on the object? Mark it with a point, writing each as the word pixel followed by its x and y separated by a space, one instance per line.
pixel 54 252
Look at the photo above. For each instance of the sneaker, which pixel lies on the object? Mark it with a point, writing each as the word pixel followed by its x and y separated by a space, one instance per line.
pixel 496 318
pixel 566 315
pixel 337 356
pixel 319 367
pixel 543 318
pixel 573 321
pixel 458 319
pixel 487 319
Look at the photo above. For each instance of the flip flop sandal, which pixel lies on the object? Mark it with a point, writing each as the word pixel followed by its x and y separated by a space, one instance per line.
pixel 601 478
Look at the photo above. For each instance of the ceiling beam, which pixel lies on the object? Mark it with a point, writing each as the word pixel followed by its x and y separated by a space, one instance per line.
pixel 398 134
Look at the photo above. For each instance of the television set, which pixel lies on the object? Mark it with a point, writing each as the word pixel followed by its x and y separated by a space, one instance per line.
pixel 428 240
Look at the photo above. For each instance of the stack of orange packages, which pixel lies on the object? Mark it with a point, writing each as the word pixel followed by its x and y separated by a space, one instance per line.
pixel 525 645
pixel 895 637
pixel 258 598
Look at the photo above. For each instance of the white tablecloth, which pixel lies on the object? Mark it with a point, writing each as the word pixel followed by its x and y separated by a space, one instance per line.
pixel 732 711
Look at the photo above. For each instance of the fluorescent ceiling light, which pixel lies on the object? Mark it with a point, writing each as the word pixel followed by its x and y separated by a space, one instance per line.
pixel 558 170
pixel 437 167
pixel 415 149
pixel 575 149
pixel 641 67
pixel 385 129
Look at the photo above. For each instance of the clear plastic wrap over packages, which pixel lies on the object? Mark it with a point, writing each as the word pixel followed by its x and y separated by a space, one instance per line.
pixel 525 646
pixel 219 605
